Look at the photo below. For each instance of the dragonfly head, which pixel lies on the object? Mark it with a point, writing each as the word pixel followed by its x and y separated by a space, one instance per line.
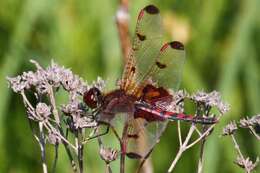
pixel 92 97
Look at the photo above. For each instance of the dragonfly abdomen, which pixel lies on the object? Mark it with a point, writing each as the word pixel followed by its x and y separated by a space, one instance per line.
pixel 150 113
pixel 195 119
pixel 146 112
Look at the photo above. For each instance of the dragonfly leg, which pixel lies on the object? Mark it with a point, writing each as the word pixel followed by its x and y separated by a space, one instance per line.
pixel 98 135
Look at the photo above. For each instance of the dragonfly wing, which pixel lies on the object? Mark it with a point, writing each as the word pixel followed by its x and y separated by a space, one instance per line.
pixel 167 68
pixel 143 137
pixel 146 43
pixel 148 123
pixel 149 60
pixel 169 65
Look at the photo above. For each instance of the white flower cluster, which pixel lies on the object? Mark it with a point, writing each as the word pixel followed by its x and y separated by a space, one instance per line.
pixel 212 99
pixel 230 129
pixel 41 79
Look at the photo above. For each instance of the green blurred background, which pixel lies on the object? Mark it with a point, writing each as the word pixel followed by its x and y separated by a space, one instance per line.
pixel 222 40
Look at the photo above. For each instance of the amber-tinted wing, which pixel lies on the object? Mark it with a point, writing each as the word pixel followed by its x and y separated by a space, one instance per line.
pixel 145 47
pixel 166 70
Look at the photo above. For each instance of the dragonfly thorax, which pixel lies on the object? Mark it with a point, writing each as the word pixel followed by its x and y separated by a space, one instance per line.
pixel 118 101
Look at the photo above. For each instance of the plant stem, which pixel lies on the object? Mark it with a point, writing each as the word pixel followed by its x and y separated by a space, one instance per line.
pixel 53 103
pixel 80 150
pixel 60 134
pixel 57 119
pixel 182 148
pixel 66 145
pixel 203 135
pixel 80 158
pixel 108 168
pixel 122 157
pixel 177 157
pixel 254 133
pixel 42 146
pixel 122 21
pixel 201 160
pixel 239 152
pixel 179 132
pixel 40 139
pixel 123 145
pixel 55 158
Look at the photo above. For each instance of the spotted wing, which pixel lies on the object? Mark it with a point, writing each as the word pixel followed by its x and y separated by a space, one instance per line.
pixel 147 127
pixel 169 65
pixel 166 72
pixel 145 47
pixel 148 60
pixel 167 68
pixel 142 137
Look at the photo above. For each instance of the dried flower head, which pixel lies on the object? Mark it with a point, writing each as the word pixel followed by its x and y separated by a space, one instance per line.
pixel 256 120
pixel 230 128
pixel 72 108
pixel 247 163
pixel 211 99
pixel 80 118
pixel 42 79
pixel 108 154
pixel 250 122
pixel 180 95
pixel 223 107
pixel 53 138
pixel 177 103
pixel 245 123
pixel 43 110
pixel 17 83
pixel 85 122
pixel 100 84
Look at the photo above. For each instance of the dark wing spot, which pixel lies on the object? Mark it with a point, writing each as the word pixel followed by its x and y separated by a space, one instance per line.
pixel 132 155
pixel 133 69
pixel 141 37
pixel 151 9
pixel 177 45
pixel 160 65
pixel 135 136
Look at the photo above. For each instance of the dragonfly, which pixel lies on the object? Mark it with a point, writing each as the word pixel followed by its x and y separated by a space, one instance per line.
pixel 152 69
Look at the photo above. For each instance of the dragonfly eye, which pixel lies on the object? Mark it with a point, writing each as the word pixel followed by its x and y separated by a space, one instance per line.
pixel 92 97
